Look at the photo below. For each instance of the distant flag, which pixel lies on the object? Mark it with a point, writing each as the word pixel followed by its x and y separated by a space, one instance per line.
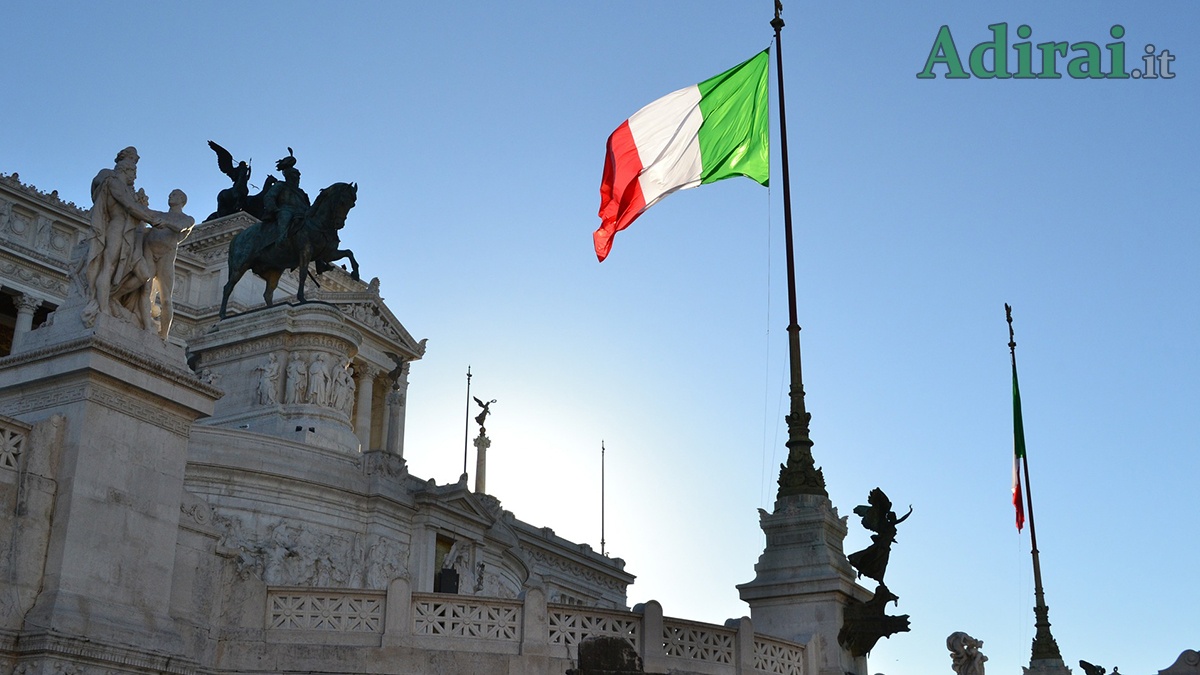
pixel 1018 451
pixel 700 134
pixel 1018 427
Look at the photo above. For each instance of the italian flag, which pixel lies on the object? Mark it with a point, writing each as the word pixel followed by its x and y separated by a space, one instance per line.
pixel 1018 451
pixel 699 134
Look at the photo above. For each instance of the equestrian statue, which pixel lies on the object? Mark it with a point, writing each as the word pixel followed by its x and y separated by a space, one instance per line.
pixel 292 234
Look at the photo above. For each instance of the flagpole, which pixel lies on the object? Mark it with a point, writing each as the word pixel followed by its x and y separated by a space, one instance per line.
pixel 1045 648
pixel 800 475
pixel 466 424
pixel 601 497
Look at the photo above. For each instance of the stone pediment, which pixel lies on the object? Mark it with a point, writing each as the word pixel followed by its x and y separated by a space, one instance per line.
pixel 365 309
pixel 455 499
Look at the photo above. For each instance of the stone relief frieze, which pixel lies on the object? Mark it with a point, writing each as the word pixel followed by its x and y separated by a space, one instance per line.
pixel 314 340
pixel 309 378
pixel 281 553
pixel 368 314
pixel 242 349
pixel 379 462
pixel 573 569
pixel 55 286
pixel 386 559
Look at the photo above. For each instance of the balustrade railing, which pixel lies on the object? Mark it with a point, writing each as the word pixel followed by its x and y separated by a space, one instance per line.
pixel 446 621
pixel 470 617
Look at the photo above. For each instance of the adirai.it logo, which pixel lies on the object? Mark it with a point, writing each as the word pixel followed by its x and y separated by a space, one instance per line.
pixel 991 59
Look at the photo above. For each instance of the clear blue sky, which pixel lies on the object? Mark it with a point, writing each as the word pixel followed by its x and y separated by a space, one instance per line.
pixel 476 134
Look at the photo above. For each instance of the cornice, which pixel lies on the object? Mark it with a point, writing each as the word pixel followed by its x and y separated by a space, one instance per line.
pixel 48 198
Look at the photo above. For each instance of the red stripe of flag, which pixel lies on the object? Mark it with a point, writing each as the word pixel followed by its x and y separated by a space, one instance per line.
pixel 621 200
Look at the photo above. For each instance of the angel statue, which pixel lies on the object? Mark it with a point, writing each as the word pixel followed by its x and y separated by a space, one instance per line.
pixel 483 415
pixel 877 517
pixel 231 199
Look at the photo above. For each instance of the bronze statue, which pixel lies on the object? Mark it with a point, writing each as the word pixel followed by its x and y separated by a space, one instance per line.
pixel 284 204
pixel 231 199
pixel 314 239
pixel 237 197
pixel 483 415
pixel 879 518
pixel 1093 669
pixel 394 374
pixel 865 622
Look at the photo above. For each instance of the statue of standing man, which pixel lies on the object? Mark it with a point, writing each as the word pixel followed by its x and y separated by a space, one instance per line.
pixel 117 216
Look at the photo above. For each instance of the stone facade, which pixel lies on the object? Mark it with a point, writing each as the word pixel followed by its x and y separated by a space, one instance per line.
pixel 235 499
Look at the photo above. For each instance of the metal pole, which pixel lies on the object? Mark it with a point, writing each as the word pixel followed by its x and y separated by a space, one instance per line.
pixel 601 497
pixel 800 475
pixel 1044 645
pixel 467 423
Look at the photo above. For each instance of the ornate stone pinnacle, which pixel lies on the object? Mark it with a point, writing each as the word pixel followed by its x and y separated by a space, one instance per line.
pixel 800 476
pixel 1045 648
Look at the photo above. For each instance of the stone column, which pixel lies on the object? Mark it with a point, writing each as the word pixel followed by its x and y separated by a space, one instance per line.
pixel 394 424
pixel 481 445
pixel 26 305
pixel 366 389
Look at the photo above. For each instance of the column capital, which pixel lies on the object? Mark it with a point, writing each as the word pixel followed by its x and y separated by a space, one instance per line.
pixel 366 370
pixel 27 303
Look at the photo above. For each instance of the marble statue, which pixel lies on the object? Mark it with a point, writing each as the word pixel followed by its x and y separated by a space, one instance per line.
pixel 160 245
pixel 343 389
pixel 113 247
pixel 965 657
pixel 318 381
pixel 297 380
pixel 268 381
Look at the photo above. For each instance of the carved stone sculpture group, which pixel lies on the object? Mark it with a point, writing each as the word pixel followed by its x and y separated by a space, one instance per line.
pixel 127 269
pixel 311 379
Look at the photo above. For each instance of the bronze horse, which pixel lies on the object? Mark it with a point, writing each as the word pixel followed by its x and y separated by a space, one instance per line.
pixel 261 250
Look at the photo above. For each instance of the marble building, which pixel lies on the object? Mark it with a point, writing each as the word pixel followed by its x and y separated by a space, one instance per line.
pixel 235 499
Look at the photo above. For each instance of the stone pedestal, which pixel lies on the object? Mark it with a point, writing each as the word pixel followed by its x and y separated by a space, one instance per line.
pixel 128 401
pixel 302 400
pixel 482 443
pixel 803 581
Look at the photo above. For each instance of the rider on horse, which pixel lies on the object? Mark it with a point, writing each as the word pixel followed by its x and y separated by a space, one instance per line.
pixel 284 203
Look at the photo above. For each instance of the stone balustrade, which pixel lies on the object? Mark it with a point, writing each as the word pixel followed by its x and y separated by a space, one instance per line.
pixel 508 628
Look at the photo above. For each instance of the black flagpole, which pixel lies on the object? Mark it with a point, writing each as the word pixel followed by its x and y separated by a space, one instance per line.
pixel 601 497
pixel 1045 647
pixel 467 424
pixel 800 475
